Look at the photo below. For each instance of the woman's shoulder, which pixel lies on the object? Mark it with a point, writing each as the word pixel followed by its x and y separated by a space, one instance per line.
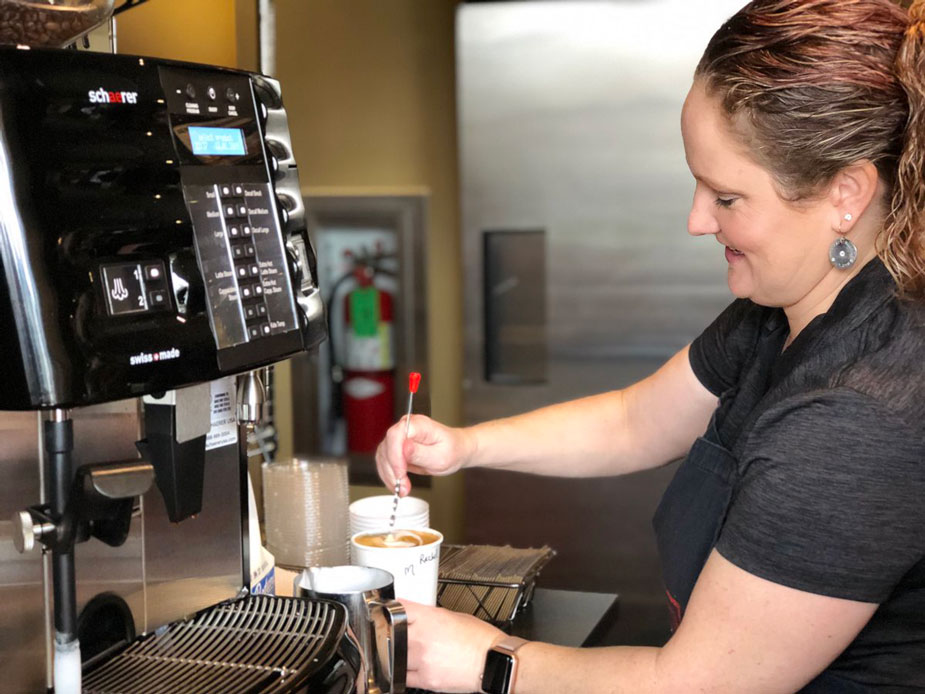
pixel 889 369
pixel 720 352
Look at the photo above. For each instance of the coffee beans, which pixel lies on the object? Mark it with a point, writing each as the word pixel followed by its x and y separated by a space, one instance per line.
pixel 38 24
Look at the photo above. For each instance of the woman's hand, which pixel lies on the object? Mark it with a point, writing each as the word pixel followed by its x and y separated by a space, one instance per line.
pixel 430 449
pixel 446 650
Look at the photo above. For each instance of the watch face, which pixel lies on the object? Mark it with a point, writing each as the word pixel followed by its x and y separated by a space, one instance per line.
pixel 497 677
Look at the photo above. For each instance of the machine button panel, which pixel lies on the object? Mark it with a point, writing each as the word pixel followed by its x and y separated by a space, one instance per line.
pixel 243 257
pixel 138 287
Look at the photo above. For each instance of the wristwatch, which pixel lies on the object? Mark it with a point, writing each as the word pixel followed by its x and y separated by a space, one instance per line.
pixel 501 666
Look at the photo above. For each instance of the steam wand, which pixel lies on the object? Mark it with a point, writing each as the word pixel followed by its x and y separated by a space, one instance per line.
pixel 95 500
pixel 58 437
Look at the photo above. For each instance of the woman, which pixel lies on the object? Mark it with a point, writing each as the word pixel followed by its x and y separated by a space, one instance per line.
pixel 793 536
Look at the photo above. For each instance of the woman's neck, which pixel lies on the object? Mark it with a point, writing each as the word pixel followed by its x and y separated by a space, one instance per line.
pixel 821 297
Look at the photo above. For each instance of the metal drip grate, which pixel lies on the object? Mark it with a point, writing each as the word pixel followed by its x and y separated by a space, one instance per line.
pixel 255 644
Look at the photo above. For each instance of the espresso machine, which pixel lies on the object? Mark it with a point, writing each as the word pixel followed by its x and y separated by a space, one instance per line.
pixel 153 258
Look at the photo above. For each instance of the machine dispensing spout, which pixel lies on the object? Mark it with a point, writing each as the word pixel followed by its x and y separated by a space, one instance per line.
pixel 251 396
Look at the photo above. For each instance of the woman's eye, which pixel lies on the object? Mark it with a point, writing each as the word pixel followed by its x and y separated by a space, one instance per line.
pixel 724 202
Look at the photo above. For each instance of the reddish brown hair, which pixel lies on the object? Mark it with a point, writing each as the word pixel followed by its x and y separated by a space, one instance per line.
pixel 816 85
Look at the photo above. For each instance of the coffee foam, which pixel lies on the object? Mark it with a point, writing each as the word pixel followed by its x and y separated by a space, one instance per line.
pixel 398 538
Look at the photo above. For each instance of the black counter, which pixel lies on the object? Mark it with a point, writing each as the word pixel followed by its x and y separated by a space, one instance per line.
pixel 567 617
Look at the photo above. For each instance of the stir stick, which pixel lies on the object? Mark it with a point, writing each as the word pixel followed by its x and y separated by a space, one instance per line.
pixel 414 380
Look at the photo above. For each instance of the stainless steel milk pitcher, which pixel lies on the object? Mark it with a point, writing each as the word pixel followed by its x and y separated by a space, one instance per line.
pixel 377 620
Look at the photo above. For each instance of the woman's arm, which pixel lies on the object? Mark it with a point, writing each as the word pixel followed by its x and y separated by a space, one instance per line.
pixel 645 425
pixel 741 633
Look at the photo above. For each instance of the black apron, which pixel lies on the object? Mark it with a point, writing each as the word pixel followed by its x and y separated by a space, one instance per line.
pixel 688 522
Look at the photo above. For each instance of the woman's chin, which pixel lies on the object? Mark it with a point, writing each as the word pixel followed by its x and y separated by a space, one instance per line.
pixel 740 289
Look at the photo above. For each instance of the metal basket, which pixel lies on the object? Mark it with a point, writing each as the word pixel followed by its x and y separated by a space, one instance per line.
pixel 493 583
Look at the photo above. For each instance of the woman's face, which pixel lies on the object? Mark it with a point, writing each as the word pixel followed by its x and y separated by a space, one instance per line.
pixel 777 251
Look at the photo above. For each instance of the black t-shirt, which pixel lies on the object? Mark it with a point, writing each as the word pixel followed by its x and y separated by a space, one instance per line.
pixel 829 440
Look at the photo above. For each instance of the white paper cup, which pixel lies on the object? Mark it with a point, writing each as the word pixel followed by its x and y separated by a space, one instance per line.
pixel 374 512
pixel 357 526
pixel 415 569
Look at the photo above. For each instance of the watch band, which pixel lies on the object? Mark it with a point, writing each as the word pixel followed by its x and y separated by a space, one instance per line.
pixel 506 647
pixel 509 644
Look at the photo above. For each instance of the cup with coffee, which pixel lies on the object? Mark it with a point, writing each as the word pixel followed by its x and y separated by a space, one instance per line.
pixel 411 556
pixel 377 621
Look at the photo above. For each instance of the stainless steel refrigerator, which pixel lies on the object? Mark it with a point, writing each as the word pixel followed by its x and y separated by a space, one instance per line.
pixel 580 275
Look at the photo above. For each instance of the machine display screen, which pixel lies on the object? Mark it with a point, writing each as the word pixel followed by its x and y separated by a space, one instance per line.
pixel 221 142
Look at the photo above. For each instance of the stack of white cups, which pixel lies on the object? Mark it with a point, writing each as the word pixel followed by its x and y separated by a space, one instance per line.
pixel 374 512
pixel 414 564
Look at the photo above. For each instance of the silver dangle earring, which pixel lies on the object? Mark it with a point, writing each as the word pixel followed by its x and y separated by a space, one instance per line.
pixel 843 253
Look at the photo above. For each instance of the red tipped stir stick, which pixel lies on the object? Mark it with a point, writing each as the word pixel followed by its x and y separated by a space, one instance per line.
pixel 414 380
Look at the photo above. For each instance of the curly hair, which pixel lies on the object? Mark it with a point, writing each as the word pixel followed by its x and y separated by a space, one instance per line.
pixel 813 86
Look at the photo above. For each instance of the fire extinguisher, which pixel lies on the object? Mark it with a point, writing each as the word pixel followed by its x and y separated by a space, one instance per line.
pixel 369 363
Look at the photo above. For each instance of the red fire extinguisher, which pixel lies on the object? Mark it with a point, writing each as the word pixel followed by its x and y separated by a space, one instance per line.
pixel 369 363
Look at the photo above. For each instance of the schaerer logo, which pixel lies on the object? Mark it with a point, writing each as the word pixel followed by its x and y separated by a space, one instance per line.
pixel 151 357
pixel 101 96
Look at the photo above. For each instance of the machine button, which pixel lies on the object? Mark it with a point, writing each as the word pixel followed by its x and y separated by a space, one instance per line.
pixel 229 210
pixel 254 270
pixel 226 190
pixel 234 231
pixel 248 250
pixel 242 210
pixel 250 312
pixel 246 230
pixel 232 95
pixel 254 331
pixel 258 289
pixel 277 148
pixel 154 272
pixel 242 271
pixel 265 328
pixel 261 309
pixel 158 298
pixel 286 205
pixel 246 292
pixel 211 92
pixel 237 251
pixel 191 91
pixel 238 190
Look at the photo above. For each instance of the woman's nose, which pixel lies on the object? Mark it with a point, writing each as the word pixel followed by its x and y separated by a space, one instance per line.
pixel 702 220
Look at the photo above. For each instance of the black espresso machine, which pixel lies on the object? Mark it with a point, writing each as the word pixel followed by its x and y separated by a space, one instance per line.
pixel 152 237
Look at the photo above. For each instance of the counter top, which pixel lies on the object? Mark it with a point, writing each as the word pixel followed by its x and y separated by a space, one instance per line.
pixel 567 617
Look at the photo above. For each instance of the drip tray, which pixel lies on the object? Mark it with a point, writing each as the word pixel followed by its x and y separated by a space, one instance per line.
pixel 254 644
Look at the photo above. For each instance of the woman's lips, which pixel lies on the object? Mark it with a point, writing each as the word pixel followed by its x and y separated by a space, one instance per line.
pixel 733 255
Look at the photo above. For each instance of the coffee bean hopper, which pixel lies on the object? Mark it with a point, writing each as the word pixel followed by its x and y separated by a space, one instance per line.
pixel 152 249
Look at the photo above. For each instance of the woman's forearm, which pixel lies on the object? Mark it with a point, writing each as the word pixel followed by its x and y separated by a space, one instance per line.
pixel 548 669
pixel 575 439
pixel 645 425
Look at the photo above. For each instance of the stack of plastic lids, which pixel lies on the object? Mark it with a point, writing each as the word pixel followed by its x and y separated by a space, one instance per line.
pixel 305 512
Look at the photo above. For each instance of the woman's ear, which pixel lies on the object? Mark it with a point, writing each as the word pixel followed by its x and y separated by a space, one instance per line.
pixel 852 191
